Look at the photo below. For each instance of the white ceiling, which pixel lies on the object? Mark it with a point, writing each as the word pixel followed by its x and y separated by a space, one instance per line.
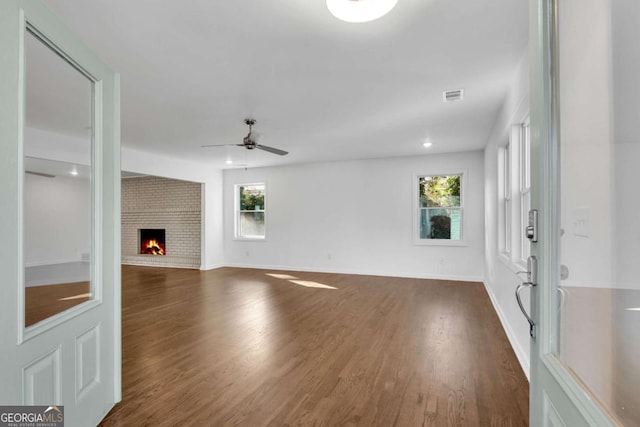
pixel 319 88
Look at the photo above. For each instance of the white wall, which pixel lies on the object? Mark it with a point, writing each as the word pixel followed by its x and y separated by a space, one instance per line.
pixel 54 146
pixel 56 208
pixel 500 278
pixel 57 219
pixel 356 217
pixel 212 216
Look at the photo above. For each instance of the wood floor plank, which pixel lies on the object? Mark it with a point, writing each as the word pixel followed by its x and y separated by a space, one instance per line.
pixel 239 347
pixel 42 302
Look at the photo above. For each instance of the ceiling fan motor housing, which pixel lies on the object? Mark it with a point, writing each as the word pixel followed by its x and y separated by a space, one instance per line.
pixel 248 142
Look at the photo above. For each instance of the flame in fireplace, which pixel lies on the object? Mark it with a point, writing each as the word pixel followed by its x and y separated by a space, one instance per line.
pixel 152 247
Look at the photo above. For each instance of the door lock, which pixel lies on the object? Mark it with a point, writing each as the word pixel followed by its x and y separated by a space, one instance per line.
pixel 532 228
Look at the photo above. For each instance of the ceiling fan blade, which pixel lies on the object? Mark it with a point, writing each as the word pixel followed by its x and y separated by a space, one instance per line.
pixel 215 145
pixel 272 150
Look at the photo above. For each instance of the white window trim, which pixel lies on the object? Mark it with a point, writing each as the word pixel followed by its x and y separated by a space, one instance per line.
pixel 515 190
pixel 236 213
pixel 416 208
pixel 505 202
pixel 524 187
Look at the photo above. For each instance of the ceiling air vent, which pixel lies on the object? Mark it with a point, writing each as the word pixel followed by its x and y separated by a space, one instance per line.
pixel 452 95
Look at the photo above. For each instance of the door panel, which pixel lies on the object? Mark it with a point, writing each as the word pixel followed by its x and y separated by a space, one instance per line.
pixel 71 358
pixel 585 369
pixel 552 417
pixel 42 379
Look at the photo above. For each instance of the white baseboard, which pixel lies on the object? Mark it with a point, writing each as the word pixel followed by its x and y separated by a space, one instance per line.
pixel 358 272
pixel 168 265
pixel 522 356
pixel 212 267
pixel 57 273
pixel 53 262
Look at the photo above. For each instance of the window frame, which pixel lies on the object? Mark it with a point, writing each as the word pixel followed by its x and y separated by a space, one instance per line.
pixel 514 187
pixel 417 209
pixel 237 212
pixel 524 187
pixel 505 200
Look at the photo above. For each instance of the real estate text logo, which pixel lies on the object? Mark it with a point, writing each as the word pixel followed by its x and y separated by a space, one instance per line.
pixel 31 416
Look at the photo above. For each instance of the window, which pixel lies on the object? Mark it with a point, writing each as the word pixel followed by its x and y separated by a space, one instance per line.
pixel 525 188
pixel 515 194
pixel 250 211
pixel 439 207
pixel 506 200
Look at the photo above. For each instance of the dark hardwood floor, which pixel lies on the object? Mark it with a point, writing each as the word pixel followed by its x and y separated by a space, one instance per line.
pixel 42 302
pixel 239 347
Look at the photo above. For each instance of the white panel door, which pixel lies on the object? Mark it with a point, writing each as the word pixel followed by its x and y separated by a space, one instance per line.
pixel 585 155
pixel 71 357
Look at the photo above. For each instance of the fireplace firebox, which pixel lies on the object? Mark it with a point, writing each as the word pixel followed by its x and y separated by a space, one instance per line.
pixel 152 241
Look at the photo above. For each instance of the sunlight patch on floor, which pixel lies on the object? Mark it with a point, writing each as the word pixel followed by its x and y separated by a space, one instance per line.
pixel 282 276
pixel 297 281
pixel 75 297
pixel 310 284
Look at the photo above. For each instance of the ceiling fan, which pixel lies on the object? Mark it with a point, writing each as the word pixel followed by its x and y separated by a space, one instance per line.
pixel 249 142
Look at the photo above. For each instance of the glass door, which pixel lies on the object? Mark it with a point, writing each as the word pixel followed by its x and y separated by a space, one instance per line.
pixel 585 365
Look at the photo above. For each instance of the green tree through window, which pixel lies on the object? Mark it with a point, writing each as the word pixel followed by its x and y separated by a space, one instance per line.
pixel 251 198
pixel 250 211
pixel 440 207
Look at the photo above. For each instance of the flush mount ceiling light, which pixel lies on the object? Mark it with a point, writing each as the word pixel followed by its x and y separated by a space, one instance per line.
pixel 360 10
pixel 427 144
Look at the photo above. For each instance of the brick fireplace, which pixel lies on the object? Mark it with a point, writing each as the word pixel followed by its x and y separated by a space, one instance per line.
pixel 161 222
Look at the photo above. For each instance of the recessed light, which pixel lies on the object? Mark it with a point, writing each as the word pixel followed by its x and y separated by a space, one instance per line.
pixel 633 309
pixel 427 144
pixel 229 161
pixel 74 171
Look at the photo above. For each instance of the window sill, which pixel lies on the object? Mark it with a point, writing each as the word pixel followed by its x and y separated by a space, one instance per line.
pixel 250 239
pixel 439 242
